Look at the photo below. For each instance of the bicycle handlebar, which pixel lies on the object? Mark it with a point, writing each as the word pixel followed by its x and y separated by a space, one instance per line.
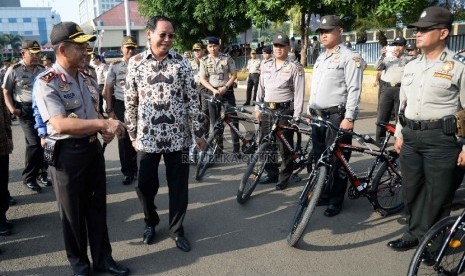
pixel 227 106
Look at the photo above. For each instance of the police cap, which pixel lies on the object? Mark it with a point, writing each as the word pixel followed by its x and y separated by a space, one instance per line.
pixel 253 51
pixel 31 45
pixel 348 44
pixel 399 41
pixel 69 31
pixel 212 40
pixel 129 42
pixel 410 46
pixel 89 50
pixel 267 49
pixel 329 22
pixel 198 46
pixel 8 59
pixel 434 17
pixel 48 56
pixel 281 39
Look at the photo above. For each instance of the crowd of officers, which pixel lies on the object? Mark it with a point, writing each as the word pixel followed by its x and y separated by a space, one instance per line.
pixel 156 102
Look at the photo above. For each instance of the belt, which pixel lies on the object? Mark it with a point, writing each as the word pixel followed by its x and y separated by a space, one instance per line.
pixel 79 142
pixel 255 74
pixel 26 104
pixel 390 84
pixel 325 112
pixel 273 106
pixel 423 125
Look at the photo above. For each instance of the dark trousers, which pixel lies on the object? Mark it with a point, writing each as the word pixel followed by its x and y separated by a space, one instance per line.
pixel 388 101
pixel 252 82
pixel 215 113
pixel 4 193
pixel 428 162
pixel 285 170
pixel 34 156
pixel 100 98
pixel 127 153
pixel 322 138
pixel 79 182
pixel 177 176
pixel 205 107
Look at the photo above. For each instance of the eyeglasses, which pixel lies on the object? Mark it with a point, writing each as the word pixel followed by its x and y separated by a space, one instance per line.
pixel 424 30
pixel 164 35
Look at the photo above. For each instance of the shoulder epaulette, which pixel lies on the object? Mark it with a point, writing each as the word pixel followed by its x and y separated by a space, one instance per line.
pixel 224 55
pixel 116 61
pixel 204 58
pixel 40 65
pixel 47 77
pixel 86 74
pixel 268 60
pixel 16 65
pixel 459 58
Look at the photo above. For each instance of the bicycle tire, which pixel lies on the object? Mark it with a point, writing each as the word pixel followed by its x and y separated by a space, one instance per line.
pixel 387 189
pixel 254 172
pixel 434 238
pixel 206 157
pixel 307 205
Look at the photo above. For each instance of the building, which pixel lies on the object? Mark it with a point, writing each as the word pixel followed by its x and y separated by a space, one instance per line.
pixel 90 9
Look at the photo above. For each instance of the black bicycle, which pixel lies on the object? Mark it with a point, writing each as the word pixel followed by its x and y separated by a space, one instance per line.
pixel 383 190
pixel 267 153
pixel 212 148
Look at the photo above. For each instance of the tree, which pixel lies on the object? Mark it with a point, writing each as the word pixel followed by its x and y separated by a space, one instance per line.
pixel 197 19
pixel 13 40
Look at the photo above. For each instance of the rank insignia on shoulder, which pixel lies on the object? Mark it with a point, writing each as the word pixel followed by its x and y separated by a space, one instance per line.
pixel 50 75
pixel 116 61
pixel 16 65
pixel 357 60
pixel 459 58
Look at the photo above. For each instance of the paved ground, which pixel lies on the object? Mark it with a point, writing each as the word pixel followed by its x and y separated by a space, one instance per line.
pixel 227 238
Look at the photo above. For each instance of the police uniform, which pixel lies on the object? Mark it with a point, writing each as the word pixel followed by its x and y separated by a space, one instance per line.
pixel 101 73
pixel 253 66
pixel 19 80
pixel 335 95
pixel 389 86
pixel 282 88
pixel 116 78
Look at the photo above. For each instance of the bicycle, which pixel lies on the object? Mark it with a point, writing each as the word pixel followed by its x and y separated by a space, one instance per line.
pixel 212 147
pixel 266 154
pixel 383 190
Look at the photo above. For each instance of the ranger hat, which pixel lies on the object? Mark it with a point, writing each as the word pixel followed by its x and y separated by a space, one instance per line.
pixel 434 16
pixel 399 41
pixel 129 42
pixel 281 39
pixel 267 49
pixel 198 46
pixel 31 45
pixel 410 46
pixel 212 40
pixel 71 32
pixel 329 22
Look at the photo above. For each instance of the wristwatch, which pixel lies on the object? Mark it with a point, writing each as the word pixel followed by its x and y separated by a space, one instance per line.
pixel 350 120
pixel 227 87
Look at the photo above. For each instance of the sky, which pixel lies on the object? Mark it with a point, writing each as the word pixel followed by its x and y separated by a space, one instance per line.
pixel 67 9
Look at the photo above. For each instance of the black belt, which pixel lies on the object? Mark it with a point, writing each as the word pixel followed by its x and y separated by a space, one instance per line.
pixel 423 125
pixel 26 104
pixel 78 142
pixel 255 74
pixel 390 84
pixel 286 105
pixel 325 112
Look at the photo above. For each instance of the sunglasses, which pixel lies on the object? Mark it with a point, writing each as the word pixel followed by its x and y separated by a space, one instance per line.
pixel 425 30
pixel 164 35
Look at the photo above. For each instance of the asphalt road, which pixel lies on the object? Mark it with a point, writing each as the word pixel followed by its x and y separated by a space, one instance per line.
pixel 226 238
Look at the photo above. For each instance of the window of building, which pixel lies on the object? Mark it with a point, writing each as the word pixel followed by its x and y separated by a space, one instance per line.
pixel 27 20
pixel 11 20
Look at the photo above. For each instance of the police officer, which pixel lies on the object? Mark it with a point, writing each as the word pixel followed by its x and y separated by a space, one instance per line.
pixel 253 66
pixel 267 51
pixel 412 50
pixel 114 96
pixel 335 95
pixel 89 69
pixel 281 87
pixel 101 70
pixel 217 74
pixel 6 65
pixel 393 66
pixel 433 89
pixel 17 87
pixel 47 61
pixel 67 99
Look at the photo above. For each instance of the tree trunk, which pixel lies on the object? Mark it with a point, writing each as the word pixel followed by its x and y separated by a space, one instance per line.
pixel 303 37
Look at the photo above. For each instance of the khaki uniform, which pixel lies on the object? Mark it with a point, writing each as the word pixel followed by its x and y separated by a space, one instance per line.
pixel 19 79
pixel 101 73
pixel 116 77
pixel 430 90
pixel 253 66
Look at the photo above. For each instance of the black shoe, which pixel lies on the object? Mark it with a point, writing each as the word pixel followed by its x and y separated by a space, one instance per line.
pixel 11 201
pixel 34 186
pixel 4 230
pixel 427 258
pixel 246 103
pixel 44 180
pixel 333 209
pixel 402 245
pixel 268 180
pixel 113 268
pixel 182 243
pixel 281 185
pixel 128 179
pixel 322 202
pixel 149 234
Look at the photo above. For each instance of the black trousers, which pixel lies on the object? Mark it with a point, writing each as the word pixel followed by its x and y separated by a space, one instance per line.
pixel 388 101
pixel 127 154
pixel 79 181
pixel 252 82
pixel 284 171
pixel 205 107
pixel 428 162
pixel 215 113
pixel 100 98
pixel 322 138
pixel 177 176
pixel 4 193
pixel 34 155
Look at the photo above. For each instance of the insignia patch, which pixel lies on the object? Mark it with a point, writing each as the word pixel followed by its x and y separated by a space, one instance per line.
pixel 442 75
pixel 73 115
pixel 357 60
pixel 423 14
pixel 116 62
pixel 459 58
pixel 48 76
pixel 447 66
pixel 69 96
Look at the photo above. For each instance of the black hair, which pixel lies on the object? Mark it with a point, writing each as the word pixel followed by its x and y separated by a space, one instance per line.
pixel 153 21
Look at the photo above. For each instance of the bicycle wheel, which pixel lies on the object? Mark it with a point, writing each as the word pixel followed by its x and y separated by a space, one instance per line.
pixel 254 171
pixel 387 189
pixel 307 204
pixel 207 156
pixel 432 242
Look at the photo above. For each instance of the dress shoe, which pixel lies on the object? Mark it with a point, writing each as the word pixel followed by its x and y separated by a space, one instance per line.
pixel 268 180
pixel 11 201
pixel 182 243
pixel 113 268
pixel 34 186
pixel 128 179
pixel 43 179
pixel 282 185
pixel 333 209
pixel 427 258
pixel 322 202
pixel 402 245
pixel 149 234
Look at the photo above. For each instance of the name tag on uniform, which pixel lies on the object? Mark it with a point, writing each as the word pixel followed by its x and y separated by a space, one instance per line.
pixel 220 76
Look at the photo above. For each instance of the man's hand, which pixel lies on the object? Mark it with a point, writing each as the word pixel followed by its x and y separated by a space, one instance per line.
pixel 112 115
pixel 16 112
pixel 461 159
pixel 114 127
pixel 222 90
pixel 42 142
pixel 200 143
pixel 398 144
pixel 134 143
pixel 258 115
pixel 346 125
pixel 107 137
